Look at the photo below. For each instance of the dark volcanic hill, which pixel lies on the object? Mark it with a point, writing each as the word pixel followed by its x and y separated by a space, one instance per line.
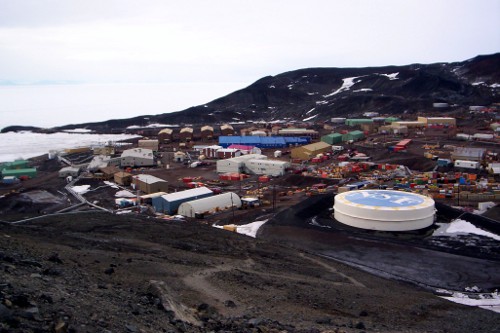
pixel 323 93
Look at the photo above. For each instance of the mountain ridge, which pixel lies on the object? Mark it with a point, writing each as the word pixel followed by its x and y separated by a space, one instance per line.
pixel 320 93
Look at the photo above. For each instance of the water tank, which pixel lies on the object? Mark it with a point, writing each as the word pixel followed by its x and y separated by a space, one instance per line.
pixel 384 210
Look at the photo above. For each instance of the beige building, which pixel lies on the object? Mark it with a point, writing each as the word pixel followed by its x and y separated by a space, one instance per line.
pixel 438 122
pixel 165 135
pixel 310 151
pixel 149 184
pixel 207 133
pixel 123 178
pixel 148 144
pixel 226 130
pixel 186 134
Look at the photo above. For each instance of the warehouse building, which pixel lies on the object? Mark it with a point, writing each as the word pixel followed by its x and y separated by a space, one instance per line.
pixel 165 135
pixel 210 205
pixel 468 153
pixel 149 183
pixel 332 138
pixel 357 122
pixel 384 210
pixel 169 203
pixel 237 164
pixel 263 142
pixel 298 132
pixel 353 136
pixel 137 157
pixel 438 122
pixel 307 152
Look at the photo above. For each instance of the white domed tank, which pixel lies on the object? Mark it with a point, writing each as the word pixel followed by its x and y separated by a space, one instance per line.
pixel 384 210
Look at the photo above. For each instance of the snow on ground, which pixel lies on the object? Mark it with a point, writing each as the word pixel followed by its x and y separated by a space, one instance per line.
pixel 78 130
pixel 309 118
pixel 321 102
pixel 461 227
pixel 111 184
pixel 246 229
pixel 124 194
pixel 81 189
pixel 485 301
pixel 153 125
pixel 310 110
pixel 348 83
pixel 363 90
pixel 22 145
pixel 392 76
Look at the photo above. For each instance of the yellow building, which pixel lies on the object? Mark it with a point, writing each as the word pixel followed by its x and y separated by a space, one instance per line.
pixel 310 151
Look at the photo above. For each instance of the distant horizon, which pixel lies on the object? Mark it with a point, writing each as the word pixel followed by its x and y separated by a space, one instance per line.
pixel 48 81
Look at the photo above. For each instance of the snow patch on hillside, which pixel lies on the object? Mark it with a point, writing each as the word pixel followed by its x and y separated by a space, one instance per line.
pixel 309 118
pixel 310 110
pixel 348 82
pixel 363 90
pixel 392 76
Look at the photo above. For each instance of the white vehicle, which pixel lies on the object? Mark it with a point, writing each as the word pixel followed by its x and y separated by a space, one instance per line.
pixel 337 148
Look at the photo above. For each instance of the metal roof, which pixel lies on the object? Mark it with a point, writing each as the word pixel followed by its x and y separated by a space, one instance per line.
pixel 148 179
pixel 186 194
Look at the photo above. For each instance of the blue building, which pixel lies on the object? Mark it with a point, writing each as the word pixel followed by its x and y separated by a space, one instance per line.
pixel 264 141
pixel 169 203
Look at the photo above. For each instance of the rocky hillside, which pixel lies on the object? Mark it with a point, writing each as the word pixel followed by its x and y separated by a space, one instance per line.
pixel 323 93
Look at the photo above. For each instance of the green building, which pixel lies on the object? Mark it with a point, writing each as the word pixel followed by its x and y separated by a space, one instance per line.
pixel 391 120
pixel 30 172
pixel 332 138
pixel 353 136
pixel 356 122
pixel 19 164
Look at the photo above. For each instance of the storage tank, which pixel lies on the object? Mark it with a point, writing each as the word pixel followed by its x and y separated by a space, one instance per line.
pixel 384 210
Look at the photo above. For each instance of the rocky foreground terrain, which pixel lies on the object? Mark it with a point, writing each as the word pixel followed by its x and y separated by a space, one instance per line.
pixel 98 272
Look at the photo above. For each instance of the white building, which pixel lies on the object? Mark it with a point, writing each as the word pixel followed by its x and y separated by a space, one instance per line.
pixel 267 167
pixel 98 162
pixel 467 164
pixel 210 205
pixel 237 164
pixel 137 157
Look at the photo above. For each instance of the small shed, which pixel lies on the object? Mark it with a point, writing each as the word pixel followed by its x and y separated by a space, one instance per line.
pixel 207 133
pixel 210 205
pixel 169 203
pixel 123 178
pixel 179 156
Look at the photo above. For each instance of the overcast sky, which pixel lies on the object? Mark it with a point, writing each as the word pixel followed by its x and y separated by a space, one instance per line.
pixel 233 40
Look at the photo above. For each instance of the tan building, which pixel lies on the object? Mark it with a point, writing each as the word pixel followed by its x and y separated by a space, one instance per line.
pixel 123 178
pixel 149 184
pixel 108 172
pixel 207 133
pixel 226 130
pixel 165 135
pixel 186 134
pixel 438 122
pixel 104 150
pixel 148 144
pixel 310 151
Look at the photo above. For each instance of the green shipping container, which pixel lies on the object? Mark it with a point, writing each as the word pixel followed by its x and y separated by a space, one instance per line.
pixel 20 164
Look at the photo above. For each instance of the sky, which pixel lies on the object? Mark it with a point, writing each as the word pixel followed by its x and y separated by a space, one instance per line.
pixel 238 41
